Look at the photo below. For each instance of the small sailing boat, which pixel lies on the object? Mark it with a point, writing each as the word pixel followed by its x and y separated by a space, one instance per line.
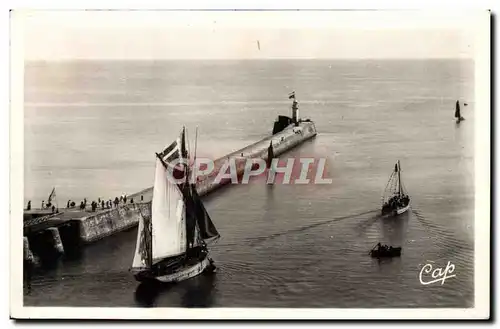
pixel 172 241
pixel 458 116
pixel 395 200
pixel 270 155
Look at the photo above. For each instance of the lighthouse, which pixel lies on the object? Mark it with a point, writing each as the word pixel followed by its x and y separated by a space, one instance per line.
pixel 295 108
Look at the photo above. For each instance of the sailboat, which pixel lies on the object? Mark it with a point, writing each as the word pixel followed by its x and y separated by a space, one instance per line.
pixel 457 112
pixel 270 155
pixel 172 239
pixel 395 200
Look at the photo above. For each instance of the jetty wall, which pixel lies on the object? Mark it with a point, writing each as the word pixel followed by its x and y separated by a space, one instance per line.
pixel 95 226
pixel 282 142
pixel 45 245
pixel 105 223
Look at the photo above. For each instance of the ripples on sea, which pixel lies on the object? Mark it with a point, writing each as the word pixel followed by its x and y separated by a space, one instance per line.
pixel 91 129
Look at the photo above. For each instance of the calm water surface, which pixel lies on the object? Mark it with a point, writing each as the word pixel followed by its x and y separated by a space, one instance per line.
pixel 91 130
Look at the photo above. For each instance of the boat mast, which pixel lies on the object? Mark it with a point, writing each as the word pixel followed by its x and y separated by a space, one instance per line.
pixel 194 158
pixel 399 177
pixel 185 186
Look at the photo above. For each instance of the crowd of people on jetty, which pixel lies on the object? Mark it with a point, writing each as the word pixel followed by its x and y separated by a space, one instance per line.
pixel 94 205
pixel 103 204
pixel 47 205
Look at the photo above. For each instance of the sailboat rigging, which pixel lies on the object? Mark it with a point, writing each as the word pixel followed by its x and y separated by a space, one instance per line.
pixel 172 239
pixel 395 200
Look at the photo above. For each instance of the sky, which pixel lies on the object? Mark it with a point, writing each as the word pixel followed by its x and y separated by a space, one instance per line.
pixel 157 35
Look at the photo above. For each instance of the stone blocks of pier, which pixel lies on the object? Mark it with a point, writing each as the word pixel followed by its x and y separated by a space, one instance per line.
pixel 56 238
pixel 27 253
pixel 45 245
pixel 99 225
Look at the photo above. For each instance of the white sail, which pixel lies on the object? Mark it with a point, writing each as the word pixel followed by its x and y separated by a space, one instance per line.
pixel 168 215
pixel 139 261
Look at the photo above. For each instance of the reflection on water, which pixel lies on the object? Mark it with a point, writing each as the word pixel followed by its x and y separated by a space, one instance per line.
pixel 394 228
pixel 198 292
pixel 195 292
pixel 147 292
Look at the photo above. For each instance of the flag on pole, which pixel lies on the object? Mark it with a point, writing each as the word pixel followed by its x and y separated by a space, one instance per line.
pixel 52 195
pixel 175 150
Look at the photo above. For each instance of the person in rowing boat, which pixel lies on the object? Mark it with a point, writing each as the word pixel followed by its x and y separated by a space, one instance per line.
pixel 381 248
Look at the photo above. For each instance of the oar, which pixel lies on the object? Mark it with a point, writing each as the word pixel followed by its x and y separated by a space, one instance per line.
pixel 373 248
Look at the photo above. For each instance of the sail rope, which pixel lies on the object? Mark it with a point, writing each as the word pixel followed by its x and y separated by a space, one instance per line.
pixel 390 186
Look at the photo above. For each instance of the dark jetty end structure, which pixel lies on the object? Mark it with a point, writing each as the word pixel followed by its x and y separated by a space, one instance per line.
pixel 48 235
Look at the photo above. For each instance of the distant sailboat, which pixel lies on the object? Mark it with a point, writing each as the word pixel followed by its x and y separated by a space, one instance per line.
pixel 270 155
pixel 171 242
pixel 457 112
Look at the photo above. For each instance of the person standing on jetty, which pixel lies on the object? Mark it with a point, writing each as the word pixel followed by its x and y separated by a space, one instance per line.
pixel 29 205
pixel 43 204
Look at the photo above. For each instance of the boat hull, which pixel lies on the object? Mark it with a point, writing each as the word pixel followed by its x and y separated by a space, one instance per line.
pixel 402 210
pixel 397 211
pixel 184 273
pixel 393 252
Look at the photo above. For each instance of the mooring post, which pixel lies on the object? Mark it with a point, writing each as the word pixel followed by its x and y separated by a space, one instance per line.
pixel 27 255
pixel 56 238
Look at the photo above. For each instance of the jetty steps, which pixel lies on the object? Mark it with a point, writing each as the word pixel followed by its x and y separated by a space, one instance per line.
pixel 47 235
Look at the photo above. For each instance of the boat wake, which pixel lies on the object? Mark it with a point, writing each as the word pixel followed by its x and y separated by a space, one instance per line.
pixel 238 271
pixel 257 240
pixel 446 242
pixel 364 225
